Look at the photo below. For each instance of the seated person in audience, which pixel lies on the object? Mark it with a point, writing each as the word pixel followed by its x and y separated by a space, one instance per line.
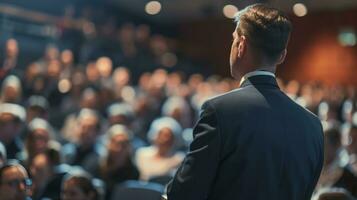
pixel 352 147
pixel 89 99
pixel 38 139
pixel 123 113
pixel 46 175
pixel 12 117
pixel 178 108
pixel 2 154
pixel 333 194
pixel 120 113
pixel 79 186
pixel 37 107
pixel 11 90
pixel 160 158
pixel 336 172
pixel 87 151
pixel 14 182
pixel 117 165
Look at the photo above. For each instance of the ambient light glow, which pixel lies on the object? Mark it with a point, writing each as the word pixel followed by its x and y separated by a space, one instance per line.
pixel 229 11
pixel 153 7
pixel 300 9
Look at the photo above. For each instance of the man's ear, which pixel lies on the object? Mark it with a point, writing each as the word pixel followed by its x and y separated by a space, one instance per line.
pixel 282 57
pixel 241 46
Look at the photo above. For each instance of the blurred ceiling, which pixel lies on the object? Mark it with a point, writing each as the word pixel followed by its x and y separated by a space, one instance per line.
pixel 183 10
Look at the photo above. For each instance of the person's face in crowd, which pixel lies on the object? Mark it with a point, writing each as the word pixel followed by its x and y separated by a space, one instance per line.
pixel 177 114
pixel 121 77
pixel 223 86
pixel 40 170
pixel 54 69
pixel 11 94
pixel 164 140
pixel 88 130
pixel 127 33
pixel 194 81
pixel 158 45
pixel 292 87
pixel 174 80
pixel 119 147
pixel 67 57
pixel 71 191
pixel 12 49
pixel 157 83
pixel 9 127
pixel 92 72
pixel 31 72
pixel 104 66
pixel 144 80
pixel 38 141
pixel 52 53
pixel 13 184
pixel 143 33
pixel 89 99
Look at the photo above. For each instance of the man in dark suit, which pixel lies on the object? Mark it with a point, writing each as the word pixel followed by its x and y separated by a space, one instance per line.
pixel 253 143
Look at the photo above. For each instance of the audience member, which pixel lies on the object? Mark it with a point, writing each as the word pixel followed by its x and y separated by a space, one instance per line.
pixel 11 123
pixel 118 166
pixel 79 186
pixel 336 172
pixel 14 182
pixel 87 150
pixel 161 158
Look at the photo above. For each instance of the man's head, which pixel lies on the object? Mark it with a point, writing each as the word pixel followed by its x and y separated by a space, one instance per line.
pixel 259 40
pixel 14 182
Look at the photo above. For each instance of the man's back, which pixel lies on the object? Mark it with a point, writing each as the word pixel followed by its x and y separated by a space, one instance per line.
pixel 265 146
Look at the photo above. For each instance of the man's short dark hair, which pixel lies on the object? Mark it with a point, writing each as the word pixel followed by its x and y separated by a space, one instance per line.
pixel 267 29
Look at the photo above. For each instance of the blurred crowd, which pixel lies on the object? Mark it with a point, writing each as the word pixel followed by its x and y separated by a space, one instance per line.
pixel 78 129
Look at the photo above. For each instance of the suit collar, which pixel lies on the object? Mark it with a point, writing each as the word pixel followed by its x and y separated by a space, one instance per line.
pixel 256 73
pixel 260 80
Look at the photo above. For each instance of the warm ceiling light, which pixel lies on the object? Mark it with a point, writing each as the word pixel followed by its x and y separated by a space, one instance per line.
pixel 153 7
pixel 300 9
pixel 229 11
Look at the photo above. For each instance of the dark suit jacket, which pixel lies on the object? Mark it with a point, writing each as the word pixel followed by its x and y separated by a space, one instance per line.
pixel 253 143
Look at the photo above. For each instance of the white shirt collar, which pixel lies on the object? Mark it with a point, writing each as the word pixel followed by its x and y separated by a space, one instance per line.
pixel 256 73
